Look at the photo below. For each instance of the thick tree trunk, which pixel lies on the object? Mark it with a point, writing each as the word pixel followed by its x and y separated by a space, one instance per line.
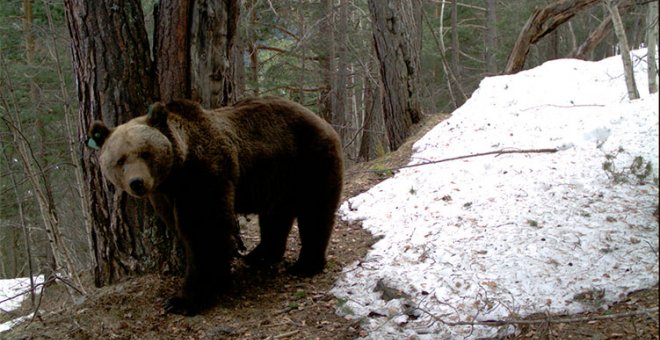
pixel 374 141
pixel 212 45
pixel 172 49
pixel 397 38
pixel 115 78
pixel 115 83
pixel 542 22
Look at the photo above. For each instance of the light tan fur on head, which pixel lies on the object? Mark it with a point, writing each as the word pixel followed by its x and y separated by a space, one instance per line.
pixel 136 157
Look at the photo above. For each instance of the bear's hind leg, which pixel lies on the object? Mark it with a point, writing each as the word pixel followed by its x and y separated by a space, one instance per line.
pixel 315 227
pixel 274 230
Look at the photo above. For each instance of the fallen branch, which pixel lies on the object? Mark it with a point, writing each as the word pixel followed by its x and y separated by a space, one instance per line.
pixel 287 334
pixel 543 321
pixel 563 106
pixel 498 152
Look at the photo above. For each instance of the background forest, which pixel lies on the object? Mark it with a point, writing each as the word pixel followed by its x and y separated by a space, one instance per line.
pixel 323 54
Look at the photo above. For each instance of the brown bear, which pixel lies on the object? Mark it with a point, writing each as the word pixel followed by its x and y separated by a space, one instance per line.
pixel 199 168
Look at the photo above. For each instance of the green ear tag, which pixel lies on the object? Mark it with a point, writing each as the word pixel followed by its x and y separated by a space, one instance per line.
pixel 92 144
pixel 150 111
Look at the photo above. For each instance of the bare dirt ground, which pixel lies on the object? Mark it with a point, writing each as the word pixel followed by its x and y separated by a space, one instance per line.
pixel 269 304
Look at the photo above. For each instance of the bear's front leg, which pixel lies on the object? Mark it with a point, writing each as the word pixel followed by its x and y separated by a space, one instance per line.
pixel 205 231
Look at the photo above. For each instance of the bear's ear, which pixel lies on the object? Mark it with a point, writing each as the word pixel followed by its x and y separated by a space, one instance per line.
pixel 157 114
pixel 98 133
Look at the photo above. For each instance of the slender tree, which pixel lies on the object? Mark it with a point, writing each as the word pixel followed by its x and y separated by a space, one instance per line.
pixel 652 44
pixel 628 72
pixel 491 37
pixel 341 116
pixel 327 101
pixel 455 44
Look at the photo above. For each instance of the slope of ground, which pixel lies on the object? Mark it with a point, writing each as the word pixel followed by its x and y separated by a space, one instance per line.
pixel 265 304
pixel 272 305
pixel 548 205
pixel 269 304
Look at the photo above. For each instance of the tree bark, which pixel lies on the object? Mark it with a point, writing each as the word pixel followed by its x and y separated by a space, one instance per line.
pixel 599 34
pixel 253 50
pixel 397 38
pixel 115 83
pixel 455 46
pixel 373 143
pixel 542 22
pixel 341 94
pixel 628 71
pixel 327 102
pixel 172 49
pixel 212 44
pixel 115 77
pixel 491 37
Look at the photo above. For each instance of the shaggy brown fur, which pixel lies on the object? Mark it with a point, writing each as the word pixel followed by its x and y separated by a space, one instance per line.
pixel 268 156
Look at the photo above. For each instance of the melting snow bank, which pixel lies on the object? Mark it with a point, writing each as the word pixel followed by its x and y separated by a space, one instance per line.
pixel 12 294
pixel 497 237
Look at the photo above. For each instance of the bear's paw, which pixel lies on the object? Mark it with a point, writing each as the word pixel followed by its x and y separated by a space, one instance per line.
pixel 182 306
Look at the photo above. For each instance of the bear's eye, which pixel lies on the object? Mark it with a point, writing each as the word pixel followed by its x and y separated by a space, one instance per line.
pixel 121 161
pixel 145 155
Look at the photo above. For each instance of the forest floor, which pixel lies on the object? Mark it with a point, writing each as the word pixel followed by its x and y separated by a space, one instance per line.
pixel 269 304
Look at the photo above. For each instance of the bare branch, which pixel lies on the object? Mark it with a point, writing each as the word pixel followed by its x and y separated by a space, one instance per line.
pixel 498 152
pixel 548 320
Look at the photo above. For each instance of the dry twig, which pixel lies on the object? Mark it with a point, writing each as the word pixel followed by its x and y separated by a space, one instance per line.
pixel 497 152
pixel 545 320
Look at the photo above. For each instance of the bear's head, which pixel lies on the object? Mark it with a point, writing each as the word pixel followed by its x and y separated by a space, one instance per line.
pixel 136 156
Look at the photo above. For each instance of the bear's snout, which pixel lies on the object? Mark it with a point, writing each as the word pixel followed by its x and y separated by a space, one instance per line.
pixel 137 186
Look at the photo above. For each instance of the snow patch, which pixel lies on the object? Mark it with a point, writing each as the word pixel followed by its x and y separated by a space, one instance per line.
pixel 509 235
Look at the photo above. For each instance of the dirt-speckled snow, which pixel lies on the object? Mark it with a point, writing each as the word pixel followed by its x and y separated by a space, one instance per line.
pixel 496 237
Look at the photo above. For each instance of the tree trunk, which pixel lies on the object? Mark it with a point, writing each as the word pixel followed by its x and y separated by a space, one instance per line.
pixel 625 50
pixel 114 84
pixel 455 46
pixel 38 123
pixel 300 97
pixel 115 78
pixel 542 22
pixel 597 35
pixel 172 49
pixel 253 51
pixel 326 57
pixel 212 44
pixel 341 88
pixel 651 44
pixel 397 38
pixel 373 143
pixel 491 37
